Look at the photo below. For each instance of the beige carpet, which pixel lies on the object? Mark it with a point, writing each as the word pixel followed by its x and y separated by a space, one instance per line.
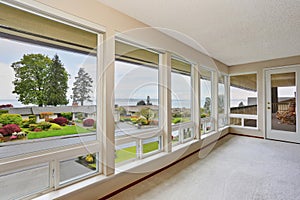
pixel 241 168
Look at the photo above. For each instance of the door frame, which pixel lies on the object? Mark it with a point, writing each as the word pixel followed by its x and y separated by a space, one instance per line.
pixel 281 135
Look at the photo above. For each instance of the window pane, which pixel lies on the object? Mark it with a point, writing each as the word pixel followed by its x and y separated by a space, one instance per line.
pixel 207 124
pixel 125 152
pixel 50 93
pixel 76 168
pixel 243 94
pixel 151 145
pixel 24 182
pixel 181 95
pixel 136 98
pixel 236 121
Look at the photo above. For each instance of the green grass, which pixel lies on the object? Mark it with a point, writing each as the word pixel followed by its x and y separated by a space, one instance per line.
pixel 176 120
pixel 66 130
pixel 130 152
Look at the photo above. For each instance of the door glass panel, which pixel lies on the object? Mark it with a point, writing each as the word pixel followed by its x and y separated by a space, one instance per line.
pixel 283 99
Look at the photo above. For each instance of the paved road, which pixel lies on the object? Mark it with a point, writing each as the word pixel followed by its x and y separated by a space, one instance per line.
pixel 28 146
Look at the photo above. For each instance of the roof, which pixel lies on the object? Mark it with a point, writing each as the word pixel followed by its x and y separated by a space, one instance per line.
pixel 59 109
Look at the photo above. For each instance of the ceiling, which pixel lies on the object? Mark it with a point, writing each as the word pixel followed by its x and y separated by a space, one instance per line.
pixel 233 32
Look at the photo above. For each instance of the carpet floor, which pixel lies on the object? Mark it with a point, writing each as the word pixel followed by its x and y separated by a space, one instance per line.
pixel 238 168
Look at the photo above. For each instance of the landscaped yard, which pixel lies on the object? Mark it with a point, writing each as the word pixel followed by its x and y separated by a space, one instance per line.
pixel 66 130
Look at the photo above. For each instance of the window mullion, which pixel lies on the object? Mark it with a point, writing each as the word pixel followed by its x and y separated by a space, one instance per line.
pixel 165 99
pixel 195 111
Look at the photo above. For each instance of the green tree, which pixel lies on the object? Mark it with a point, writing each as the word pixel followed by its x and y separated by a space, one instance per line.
pixel 57 83
pixel 82 87
pixel 147 113
pixel 207 105
pixel 30 78
pixel 40 80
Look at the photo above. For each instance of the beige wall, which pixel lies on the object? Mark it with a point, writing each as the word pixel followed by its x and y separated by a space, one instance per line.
pixel 259 68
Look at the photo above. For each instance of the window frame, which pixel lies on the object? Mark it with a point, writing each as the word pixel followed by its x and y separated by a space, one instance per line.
pixel 242 117
pixel 53 156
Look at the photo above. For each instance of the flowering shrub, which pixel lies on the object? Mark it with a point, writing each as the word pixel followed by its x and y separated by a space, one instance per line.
pixel 32 126
pixel 44 125
pixel 10 119
pixel 37 130
pixel 88 122
pixel 6 106
pixel 55 126
pixel 60 121
pixel 9 129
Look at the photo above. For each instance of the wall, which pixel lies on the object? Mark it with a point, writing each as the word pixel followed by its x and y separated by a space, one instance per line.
pixel 259 67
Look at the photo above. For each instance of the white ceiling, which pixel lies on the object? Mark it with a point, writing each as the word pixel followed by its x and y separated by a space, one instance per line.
pixel 232 31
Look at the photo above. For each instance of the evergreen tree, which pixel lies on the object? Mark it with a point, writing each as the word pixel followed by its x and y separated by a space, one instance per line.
pixel 82 87
pixel 57 83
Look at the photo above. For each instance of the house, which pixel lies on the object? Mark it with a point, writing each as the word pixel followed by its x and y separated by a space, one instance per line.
pixel 233 61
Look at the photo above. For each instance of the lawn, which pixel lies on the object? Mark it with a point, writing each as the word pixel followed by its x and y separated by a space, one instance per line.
pixel 66 130
pixel 130 152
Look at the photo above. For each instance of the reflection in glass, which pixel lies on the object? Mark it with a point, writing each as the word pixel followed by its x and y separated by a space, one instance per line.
pixel 76 168
pixel 206 103
pixel 243 94
pixel 283 101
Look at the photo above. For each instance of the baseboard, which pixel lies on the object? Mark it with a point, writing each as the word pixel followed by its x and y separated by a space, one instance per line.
pixel 245 135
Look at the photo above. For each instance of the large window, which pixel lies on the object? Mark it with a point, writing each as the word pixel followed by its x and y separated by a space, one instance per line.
pixel 48 73
pixel 182 128
pixel 243 100
pixel 206 101
pixel 136 102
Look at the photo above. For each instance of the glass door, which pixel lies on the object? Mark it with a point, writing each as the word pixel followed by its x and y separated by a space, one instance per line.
pixel 281 104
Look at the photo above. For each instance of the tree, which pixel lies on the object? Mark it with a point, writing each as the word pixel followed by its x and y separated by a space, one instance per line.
pixel 147 113
pixel 57 83
pixel 241 104
pixel 40 80
pixel 30 78
pixel 207 105
pixel 82 87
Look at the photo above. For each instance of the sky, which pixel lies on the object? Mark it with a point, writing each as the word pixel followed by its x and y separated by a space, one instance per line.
pixel 12 51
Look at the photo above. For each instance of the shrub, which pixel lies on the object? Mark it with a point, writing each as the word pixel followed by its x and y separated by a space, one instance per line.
pixel 37 130
pixel 55 126
pixel 62 121
pixel 44 125
pixel 67 115
pixel 10 119
pixel 9 129
pixel 25 123
pixel 142 121
pixel 45 114
pixel 88 122
pixel 3 111
pixel 32 126
pixel 176 120
pixel 49 120
pixel 32 119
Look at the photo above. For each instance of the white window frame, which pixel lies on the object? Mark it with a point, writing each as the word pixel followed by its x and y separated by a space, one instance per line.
pixel 242 116
pixel 53 156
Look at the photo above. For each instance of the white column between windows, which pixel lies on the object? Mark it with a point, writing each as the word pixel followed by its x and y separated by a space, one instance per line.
pixel 165 100
pixel 106 110
pixel 196 101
